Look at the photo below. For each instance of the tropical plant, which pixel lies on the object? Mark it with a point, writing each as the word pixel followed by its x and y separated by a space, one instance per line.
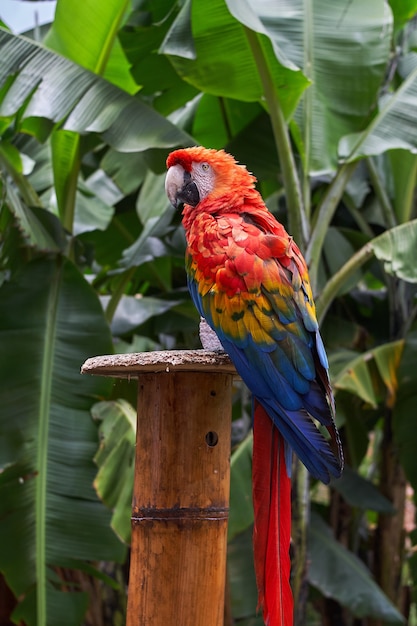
pixel 318 99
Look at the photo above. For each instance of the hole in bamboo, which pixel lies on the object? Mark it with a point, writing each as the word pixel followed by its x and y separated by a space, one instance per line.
pixel 212 392
pixel 212 439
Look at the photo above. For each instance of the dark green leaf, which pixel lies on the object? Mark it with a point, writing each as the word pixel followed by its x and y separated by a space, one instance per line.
pixel 405 433
pixel 149 244
pixel 340 575
pixel 337 251
pixel 321 39
pixel 361 493
pixel 152 200
pixel 50 322
pixel 91 213
pixel 392 128
pixel 403 170
pixel 397 248
pixel 224 65
pixel 244 597
pixel 134 311
pixel 41 229
pixel 241 507
pixel 126 170
pixel 115 459
pixel 179 39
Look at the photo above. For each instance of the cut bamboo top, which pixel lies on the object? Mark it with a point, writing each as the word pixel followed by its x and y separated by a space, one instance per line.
pixel 133 364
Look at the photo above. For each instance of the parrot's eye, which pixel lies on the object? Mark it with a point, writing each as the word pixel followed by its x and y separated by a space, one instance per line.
pixel 205 167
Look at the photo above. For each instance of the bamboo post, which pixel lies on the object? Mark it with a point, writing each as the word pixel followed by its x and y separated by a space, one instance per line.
pixel 181 486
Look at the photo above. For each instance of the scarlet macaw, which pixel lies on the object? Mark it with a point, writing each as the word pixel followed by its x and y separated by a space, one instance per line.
pixel 248 279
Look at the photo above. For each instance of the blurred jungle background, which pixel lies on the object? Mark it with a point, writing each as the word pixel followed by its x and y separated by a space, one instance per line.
pixel 319 99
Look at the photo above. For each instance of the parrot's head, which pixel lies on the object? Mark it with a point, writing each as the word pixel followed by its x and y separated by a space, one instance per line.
pixel 197 173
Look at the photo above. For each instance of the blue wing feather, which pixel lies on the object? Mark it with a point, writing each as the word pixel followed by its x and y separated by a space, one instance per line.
pixel 283 378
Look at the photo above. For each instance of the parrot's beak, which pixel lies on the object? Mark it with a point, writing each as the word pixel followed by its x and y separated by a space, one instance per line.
pixel 180 187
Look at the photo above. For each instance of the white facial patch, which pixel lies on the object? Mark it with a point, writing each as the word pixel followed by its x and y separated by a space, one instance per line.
pixel 204 177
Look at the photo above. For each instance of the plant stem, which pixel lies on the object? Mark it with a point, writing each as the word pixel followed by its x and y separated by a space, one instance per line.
pixel 334 285
pixel 299 532
pixel 42 458
pixel 307 106
pixel 71 190
pixel 125 278
pixel 381 192
pixel 296 218
pixel 358 217
pixel 225 119
pixel 325 213
pixel 29 195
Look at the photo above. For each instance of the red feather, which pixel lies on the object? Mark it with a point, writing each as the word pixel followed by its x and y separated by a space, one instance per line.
pixel 272 531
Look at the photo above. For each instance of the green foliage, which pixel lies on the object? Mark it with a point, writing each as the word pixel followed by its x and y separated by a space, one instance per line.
pixel 50 516
pixel 341 575
pixel 319 101
pixel 115 458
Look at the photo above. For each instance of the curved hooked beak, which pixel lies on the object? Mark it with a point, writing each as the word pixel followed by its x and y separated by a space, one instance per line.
pixel 180 187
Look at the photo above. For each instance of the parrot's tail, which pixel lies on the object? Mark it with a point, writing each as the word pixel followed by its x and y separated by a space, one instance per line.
pixel 272 530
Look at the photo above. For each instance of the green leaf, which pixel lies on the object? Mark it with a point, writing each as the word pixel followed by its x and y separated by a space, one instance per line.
pixel 361 493
pixel 403 169
pixel 396 249
pixel 11 154
pixel 358 375
pixel 356 378
pixel 405 434
pixel 91 213
pixel 321 38
pixel 152 200
pixel 340 575
pixel 86 32
pixel 241 573
pixel 141 41
pixel 50 322
pixel 217 120
pixel 403 10
pixel 392 128
pixel 356 427
pixel 224 65
pixel 179 38
pixel 66 162
pixel 133 311
pixel 149 244
pixel 255 147
pixel 109 244
pixel 41 229
pixel 126 170
pixel 102 186
pixel 387 359
pixel 336 251
pixel 57 89
pixel 115 460
pixel 241 507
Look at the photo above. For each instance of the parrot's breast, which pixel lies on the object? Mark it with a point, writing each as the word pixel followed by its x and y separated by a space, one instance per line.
pixel 242 279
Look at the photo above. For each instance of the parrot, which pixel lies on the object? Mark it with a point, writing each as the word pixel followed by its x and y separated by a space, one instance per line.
pixel 249 281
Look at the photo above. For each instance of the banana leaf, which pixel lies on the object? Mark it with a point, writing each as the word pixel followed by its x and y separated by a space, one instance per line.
pixel 54 88
pixel 50 516
pixel 339 574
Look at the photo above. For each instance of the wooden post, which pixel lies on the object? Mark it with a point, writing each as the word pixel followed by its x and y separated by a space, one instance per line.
pixel 181 487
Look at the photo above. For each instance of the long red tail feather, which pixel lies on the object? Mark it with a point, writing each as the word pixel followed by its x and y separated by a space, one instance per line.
pixel 272 531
